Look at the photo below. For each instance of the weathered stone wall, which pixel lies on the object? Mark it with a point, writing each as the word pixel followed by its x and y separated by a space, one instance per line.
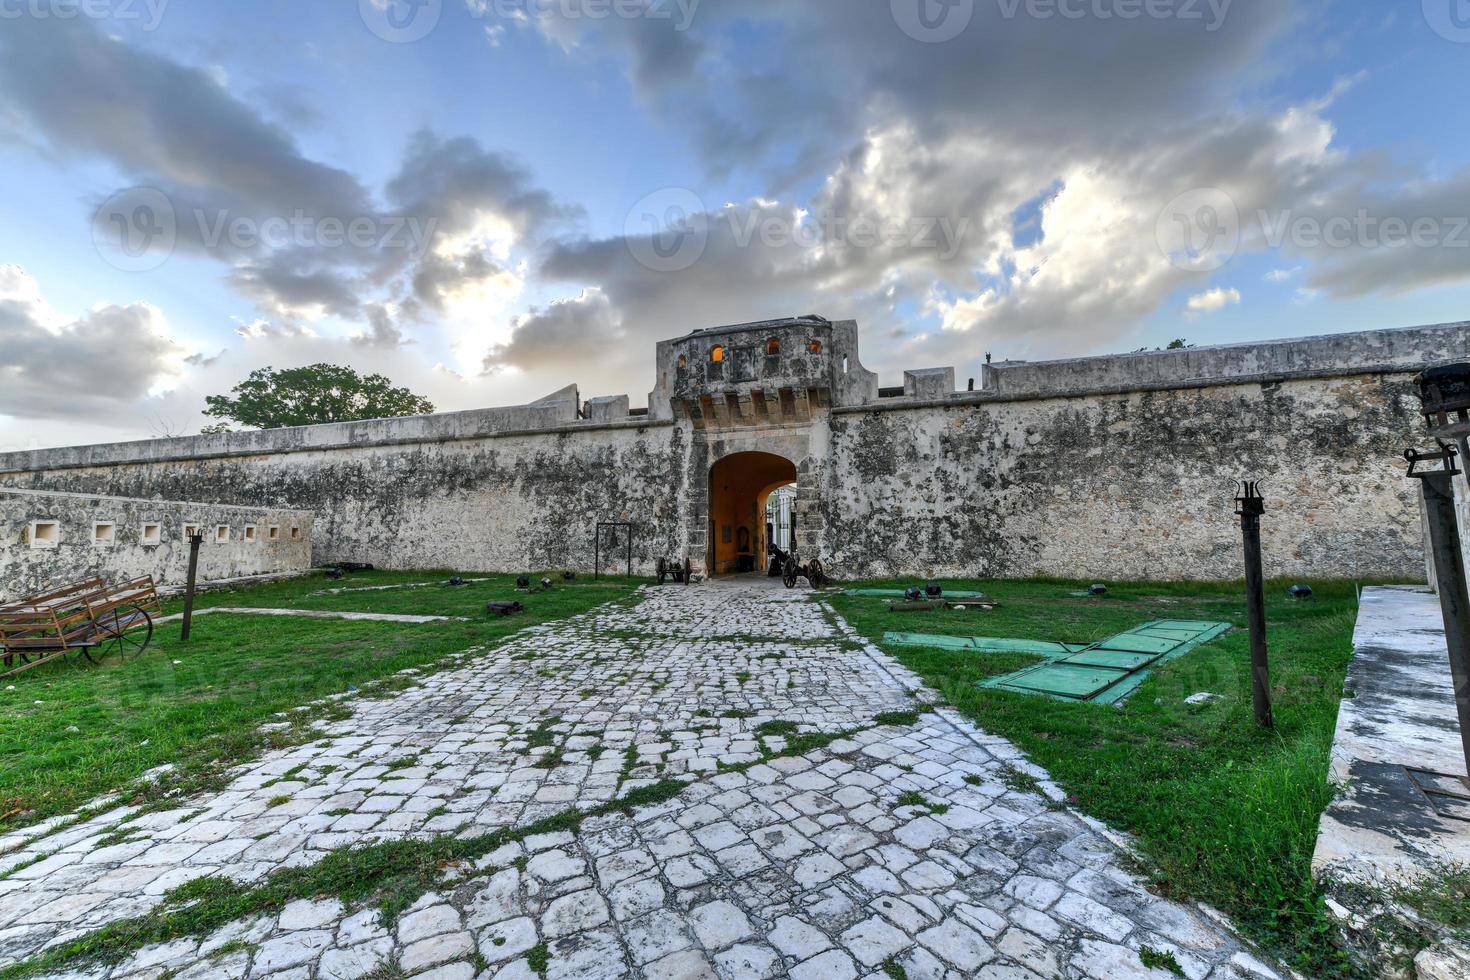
pixel 1131 485
pixel 1115 468
pixel 513 503
pixel 146 537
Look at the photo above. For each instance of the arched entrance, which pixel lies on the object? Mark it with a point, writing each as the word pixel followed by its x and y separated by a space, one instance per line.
pixel 739 486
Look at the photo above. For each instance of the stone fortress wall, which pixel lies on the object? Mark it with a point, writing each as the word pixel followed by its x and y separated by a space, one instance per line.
pixel 52 539
pixel 1116 468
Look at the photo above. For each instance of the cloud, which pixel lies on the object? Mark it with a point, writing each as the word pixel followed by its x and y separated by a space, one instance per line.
pixel 1000 191
pixel 86 368
pixel 303 240
pixel 1048 79
pixel 582 333
pixel 1212 301
pixel 1015 126
pixel 160 120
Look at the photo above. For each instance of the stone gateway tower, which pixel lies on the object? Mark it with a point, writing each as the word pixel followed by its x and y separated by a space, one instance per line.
pixel 757 400
pixel 1117 467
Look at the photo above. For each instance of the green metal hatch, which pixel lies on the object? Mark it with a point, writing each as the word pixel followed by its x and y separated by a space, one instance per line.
pixel 1102 673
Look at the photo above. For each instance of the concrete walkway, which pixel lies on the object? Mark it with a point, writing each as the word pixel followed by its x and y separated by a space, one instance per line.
pixel 912 845
pixel 364 617
pixel 1397 749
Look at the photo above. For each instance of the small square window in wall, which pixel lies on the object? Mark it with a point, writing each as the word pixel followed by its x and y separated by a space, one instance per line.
pixel 273 534
pixel 296 534
pixel 104 534
pixel 249 533
pixel 189 531
pixel 45 534
pixel 222 534
pixel 152 535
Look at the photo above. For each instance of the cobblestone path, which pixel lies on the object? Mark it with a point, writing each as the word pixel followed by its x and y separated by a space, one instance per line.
pixel 899 845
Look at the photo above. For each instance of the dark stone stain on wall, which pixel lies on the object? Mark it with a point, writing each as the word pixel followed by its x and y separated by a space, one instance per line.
pixel 1136 485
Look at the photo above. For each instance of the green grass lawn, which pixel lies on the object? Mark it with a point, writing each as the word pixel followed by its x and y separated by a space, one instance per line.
pixel 1225 813
pixel 73 733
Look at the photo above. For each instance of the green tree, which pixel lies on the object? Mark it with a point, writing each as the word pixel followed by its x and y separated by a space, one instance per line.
pixel 312 395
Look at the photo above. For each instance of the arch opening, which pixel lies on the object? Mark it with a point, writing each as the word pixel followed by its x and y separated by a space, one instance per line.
pixel 740 489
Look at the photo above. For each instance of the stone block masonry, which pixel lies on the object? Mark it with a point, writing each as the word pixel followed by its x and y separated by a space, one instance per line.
pixel 776 859
pixel 1113 467
pixel 49 539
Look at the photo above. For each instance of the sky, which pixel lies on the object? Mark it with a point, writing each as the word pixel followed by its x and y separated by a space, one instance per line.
pixel 486 200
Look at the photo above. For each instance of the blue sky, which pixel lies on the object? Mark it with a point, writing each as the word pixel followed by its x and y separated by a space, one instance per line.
pixel 1028 171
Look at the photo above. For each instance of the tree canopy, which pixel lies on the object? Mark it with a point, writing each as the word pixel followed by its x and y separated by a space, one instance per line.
pixel 312 395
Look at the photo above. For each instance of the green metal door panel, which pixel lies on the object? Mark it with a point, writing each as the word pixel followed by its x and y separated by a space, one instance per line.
pixel 1115 659
pixel 982 644
pixel 1064 680
pixel 1139 643
pixel 1178 636
pixel 1107 672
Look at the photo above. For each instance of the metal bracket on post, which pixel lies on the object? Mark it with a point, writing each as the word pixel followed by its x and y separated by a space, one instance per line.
pixel 1449 569
pixel 1252 509
pixel 597 546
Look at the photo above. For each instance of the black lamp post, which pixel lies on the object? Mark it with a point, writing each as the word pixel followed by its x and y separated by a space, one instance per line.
pixel 1252 508
pixel 1445 395
pixel 195 540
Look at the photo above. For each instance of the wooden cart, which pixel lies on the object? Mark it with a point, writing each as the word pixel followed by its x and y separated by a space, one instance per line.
pixel 77 619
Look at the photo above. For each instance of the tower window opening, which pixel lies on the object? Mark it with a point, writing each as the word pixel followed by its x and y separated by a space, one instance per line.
pixel 816 347
pixel 717 355
pixel 773 347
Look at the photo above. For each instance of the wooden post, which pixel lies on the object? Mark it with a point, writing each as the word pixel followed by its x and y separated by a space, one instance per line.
pixel 195 540
pixel 1252 508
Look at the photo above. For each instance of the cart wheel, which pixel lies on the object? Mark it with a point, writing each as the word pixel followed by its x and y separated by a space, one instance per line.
pixel 790 573
pixel 127 633
pixel 688 571
pixel 816 574
pixel 663 570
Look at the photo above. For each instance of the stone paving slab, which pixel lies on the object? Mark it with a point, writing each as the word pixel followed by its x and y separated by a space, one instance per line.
pixel 799 865
pixel 1382 827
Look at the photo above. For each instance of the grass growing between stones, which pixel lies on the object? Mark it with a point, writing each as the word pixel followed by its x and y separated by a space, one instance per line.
pixel 392 875
pixel 85 731
pixel 1224 812
pixel 1398 922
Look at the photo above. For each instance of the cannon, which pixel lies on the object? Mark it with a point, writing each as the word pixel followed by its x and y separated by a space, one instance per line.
pixel 793 569
pixel 678 571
